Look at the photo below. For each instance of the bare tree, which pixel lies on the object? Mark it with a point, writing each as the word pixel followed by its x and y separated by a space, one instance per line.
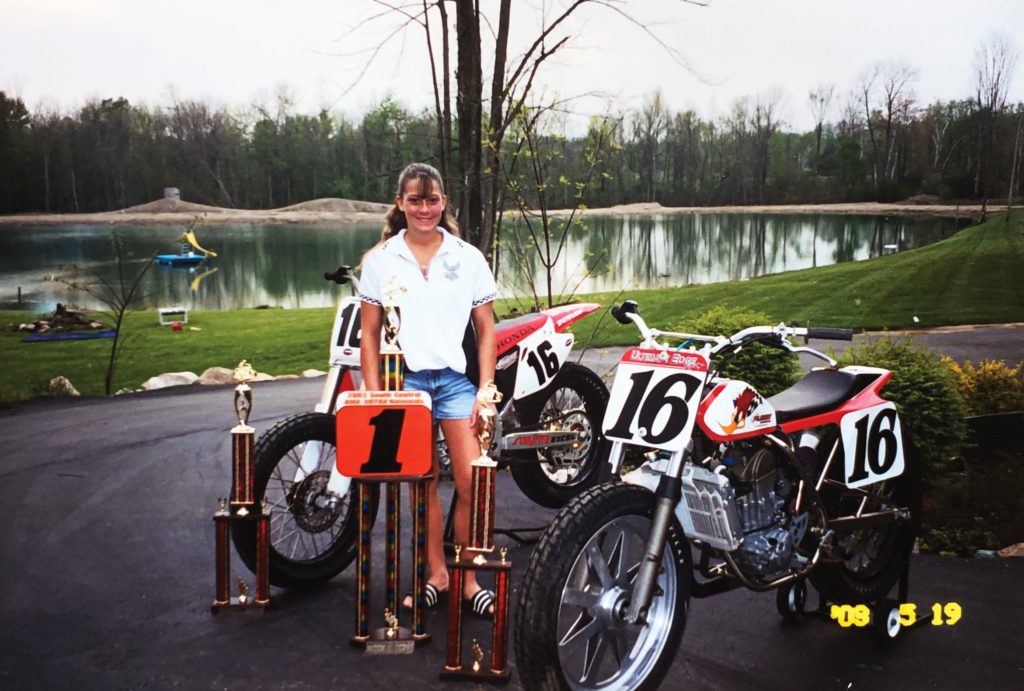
pixel 480 141
pixel 765 121
pixel 820 98
pixel 994 63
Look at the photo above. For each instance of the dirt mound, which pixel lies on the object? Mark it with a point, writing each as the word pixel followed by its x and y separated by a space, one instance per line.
pixel 918 199
pixel 170 206
pixel 335 204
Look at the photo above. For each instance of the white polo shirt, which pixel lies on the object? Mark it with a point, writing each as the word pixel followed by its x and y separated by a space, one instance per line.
pixel 434 309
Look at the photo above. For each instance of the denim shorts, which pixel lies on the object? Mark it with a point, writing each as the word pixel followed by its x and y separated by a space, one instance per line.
pixel 451 393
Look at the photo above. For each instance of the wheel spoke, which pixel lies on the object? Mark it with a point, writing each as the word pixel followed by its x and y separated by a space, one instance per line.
pixel 581 629
pixel 595 651
pixel 597 562
pixel 579 598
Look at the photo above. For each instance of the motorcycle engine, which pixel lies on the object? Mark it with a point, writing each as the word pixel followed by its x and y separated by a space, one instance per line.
pixel 770 532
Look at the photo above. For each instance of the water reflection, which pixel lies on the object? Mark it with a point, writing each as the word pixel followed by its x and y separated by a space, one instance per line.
pixel 283 265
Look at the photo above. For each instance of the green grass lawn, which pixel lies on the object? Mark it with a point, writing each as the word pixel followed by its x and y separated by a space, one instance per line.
pixel 970 278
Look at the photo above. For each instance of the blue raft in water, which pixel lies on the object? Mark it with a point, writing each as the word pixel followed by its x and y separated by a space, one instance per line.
pixel 183 259
pixel 68 336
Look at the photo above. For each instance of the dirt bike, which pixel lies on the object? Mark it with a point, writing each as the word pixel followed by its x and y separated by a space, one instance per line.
pixel 815 483
pixel 546 431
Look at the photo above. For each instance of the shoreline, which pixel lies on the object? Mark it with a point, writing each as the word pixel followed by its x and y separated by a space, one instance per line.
pixel 184 213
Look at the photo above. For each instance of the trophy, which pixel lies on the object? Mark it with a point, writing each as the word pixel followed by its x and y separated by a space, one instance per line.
pixel 241 506
pixel 392 638
pixel 481 544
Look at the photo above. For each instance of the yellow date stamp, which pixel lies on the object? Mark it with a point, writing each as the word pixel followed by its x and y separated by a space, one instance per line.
pixel 943 614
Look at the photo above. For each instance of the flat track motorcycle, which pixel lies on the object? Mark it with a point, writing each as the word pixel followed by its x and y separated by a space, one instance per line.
pixel 818 482
pixel 546 430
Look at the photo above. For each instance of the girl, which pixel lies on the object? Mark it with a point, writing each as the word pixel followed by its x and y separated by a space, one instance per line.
pixel 442 283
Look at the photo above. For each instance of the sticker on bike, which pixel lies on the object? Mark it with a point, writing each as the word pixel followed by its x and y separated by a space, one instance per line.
pixel 654 397
pixel 387 434
pixel 735 410
pixel 541 356
pixel 347 330
pixel 873 444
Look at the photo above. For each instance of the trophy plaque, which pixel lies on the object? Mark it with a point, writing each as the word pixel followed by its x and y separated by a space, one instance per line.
pixel 388 440
pixel 480 558
pixel 241 506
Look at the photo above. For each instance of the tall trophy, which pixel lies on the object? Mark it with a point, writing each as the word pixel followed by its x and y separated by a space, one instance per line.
pixel 478 556
pixel 388 441
pixel 241 506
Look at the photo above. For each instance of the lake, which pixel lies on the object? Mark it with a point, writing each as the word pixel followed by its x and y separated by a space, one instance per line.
pixel 283 265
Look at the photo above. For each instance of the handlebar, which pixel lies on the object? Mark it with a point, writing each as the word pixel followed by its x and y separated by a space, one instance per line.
pixel 628 312
pixel 341 275
pixel 828 333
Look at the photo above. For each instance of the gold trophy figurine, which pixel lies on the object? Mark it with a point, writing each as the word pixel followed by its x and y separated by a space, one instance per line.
pixel 243 374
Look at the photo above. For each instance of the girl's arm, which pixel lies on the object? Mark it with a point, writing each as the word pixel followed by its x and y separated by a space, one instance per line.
pixel 371 317
pixel 486 349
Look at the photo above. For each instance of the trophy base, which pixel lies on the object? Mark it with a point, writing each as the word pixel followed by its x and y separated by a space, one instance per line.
pixel 465 673
pixel 377 643
pixel 249 606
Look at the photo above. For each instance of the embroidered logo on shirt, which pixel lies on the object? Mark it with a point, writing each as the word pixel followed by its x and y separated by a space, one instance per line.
pixel 451 271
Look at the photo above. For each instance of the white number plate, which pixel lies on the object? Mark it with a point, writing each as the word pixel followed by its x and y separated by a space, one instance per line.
pixel 654 397
pixel 873 442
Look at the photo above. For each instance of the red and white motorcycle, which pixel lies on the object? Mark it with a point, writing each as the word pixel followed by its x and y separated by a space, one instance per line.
pixel 817 482
pixel 547 430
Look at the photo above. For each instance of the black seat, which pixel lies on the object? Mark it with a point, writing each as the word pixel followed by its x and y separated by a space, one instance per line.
pixel 818 392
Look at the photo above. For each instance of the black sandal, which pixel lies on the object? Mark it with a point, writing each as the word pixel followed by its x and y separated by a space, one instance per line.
pixel 431 596
pixel 481 603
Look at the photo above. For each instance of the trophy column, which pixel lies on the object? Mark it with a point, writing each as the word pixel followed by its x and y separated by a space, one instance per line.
pixel 481 545
pixel 241 506
pixel 384 466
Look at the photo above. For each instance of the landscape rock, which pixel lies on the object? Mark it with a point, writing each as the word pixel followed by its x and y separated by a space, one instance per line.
pixel 263 376
pixel 61 386
pixel 312 373
pixel 1016 550
pixel 284 377
pixel 216 375
pixel 170 379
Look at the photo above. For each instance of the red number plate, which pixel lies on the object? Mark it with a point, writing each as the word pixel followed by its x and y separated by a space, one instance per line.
pixel 384 435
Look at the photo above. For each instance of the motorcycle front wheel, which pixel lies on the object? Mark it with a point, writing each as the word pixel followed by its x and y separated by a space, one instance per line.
pixel 570 631
pixel 873 558
pixel 312 531
pixel 574 402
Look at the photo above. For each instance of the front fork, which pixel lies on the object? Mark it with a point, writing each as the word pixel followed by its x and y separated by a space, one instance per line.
pixel 666 498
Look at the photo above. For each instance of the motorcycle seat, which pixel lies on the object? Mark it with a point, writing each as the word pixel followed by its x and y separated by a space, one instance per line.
pixel 818 392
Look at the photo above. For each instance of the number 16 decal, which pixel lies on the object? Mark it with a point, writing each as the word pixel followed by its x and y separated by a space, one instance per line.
pixel 873 444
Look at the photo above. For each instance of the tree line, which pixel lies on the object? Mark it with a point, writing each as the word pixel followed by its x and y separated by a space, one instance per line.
pixel 876 143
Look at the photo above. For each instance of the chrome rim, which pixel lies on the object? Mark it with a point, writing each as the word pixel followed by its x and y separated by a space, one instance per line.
pixel 305 519
pixel 564 411
pixel 597 648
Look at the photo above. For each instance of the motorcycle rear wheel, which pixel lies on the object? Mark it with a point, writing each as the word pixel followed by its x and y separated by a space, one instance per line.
pixel 569 631
pixel 874 557
pixel 312 533
pixel 575 401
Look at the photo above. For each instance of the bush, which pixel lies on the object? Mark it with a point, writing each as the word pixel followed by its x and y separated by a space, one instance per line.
pixel 926 396
pixel 769 370
pixel 991 387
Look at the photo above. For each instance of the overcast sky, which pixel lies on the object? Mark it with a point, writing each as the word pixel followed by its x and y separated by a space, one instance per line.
pixel 238 52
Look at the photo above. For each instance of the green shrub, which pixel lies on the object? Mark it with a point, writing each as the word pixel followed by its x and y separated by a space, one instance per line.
pixel 990 387
pixel 768 370
pixel 925 394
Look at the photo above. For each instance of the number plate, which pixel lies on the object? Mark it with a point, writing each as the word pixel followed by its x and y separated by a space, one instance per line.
pixel 654 397
pixel 541 355
pixel 873 444
pixel 384 435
